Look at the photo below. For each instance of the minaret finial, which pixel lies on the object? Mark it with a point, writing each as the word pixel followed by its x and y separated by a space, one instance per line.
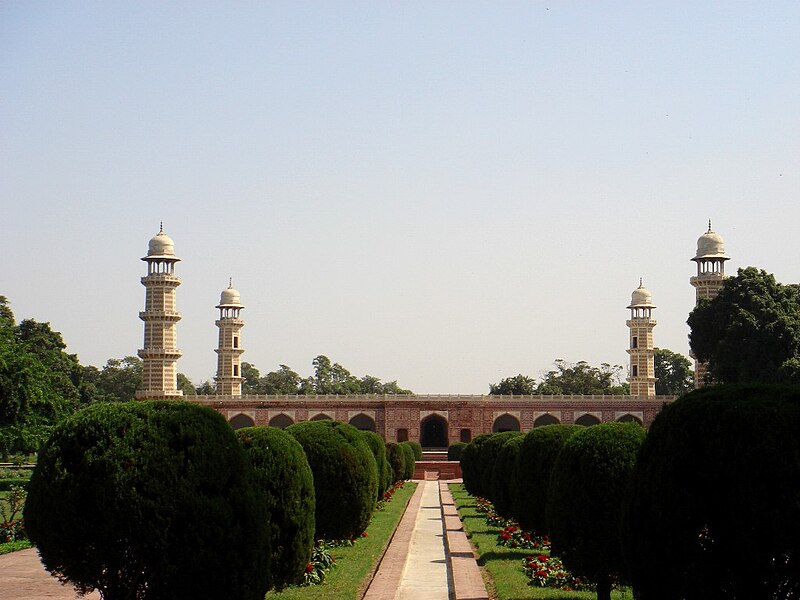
pixel 230 282
pixel 640 282
pixel 709 226
pixel 161 227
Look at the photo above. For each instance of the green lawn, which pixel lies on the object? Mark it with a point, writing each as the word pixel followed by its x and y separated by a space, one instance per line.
pixel 355 564
pixel 507 581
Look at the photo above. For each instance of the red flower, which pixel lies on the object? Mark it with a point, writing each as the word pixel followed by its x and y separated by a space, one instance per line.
pixel 364 534
pixel 541 573
pixel 543 557
pixel 309 568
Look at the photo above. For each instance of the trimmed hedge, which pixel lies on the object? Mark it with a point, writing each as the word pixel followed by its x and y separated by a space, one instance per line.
pixel 345 477
pixel 397 461
pixel 7 484
pixel 410 461
pixel 378 448
pixel 715 502
pixel 470 471
pixel 417 449
pixel 487 458
pixel 502 477
pixel 587 494
pixel 149 500
pixel 455 450
pixel 284 478
pixel 534 466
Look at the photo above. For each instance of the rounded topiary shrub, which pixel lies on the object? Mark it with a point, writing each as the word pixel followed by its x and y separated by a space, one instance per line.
pixel 149 500
pixel 487 458
pixel 470 471
pixel 410 461
pixel 417 447
pixel 502 476
pixel 716 494
pixel 378 448
pixel 531 481
pixel 455 450
pixel 284 479
pixel 587 494
pixel 345 477
pixel 397 461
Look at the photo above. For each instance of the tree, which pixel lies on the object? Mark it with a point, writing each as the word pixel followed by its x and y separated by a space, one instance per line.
pixel 185 386
pixel 118 380
pixel 582 379
pixel 250 379
pixel 674 375
pixel 750 331
pixel 282 381
pixel 717 476
pixel 149 500
pixel 520 385
pixel 587 492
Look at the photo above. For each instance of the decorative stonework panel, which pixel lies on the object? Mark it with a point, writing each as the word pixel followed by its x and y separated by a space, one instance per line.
pixel 232 413
pixel 445 414
pixel 275 413
pixel 353 413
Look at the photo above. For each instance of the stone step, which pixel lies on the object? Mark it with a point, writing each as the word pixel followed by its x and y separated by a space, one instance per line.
pixel 444 469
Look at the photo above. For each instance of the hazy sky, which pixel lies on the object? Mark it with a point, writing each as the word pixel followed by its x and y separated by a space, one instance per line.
pixel 442 193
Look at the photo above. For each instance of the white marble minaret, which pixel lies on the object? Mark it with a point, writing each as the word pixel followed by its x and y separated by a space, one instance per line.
pixel 229 351
pixel 641 348
pixel 160 353
pixel 710 259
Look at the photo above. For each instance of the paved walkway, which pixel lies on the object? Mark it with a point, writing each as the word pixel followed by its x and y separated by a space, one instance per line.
pixel 429 558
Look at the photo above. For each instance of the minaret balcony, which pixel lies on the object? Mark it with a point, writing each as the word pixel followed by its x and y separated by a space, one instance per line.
pixel 643 322
pixel 160 353
pixel 168 279
pixel 230 322
pixel 160 315
pixel 706 278
pixel 229 351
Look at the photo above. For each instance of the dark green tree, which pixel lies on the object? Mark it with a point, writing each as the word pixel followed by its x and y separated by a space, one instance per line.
pixel 470 464
pixel 185 385
pixel 717 485
pixel 282 381
pixel 149 500
pixel 345 477
pixel 581 378
pixel 502 477
pixel 749 332
pixel 532 472
pixel 251 379
pixel 118 380
pixel 674 374
pixel 455 450
pixel 378 448
pixel 487 459
pixel 284 478
pixel 397 461
pixel 410 459
pixel 588 490
pixel 520 385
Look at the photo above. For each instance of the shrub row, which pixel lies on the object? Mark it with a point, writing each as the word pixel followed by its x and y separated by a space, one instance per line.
pixel 673 511
pixel 162 500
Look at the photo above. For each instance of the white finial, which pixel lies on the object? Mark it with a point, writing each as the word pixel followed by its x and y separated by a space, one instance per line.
pixel 161 227
pixel 230 282
pixel 709 226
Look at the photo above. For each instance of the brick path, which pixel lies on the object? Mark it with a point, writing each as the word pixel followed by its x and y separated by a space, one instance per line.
pixel 429 558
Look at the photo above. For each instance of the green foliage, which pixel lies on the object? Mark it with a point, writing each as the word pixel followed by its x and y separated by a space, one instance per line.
pixel 520 385
pixel 149 500
pixel 749 332
pixel 470 466
pixel 118 380
pixel 284 478
pixel 716 487
pixel 378 448
pixel 674 374
pixel 503 474
pixel 579 378
pixel 455 450
pixel 410 460
pixel 487 459
pixel 397 461
pixel 345 476
pixel 588 489
pixel 533 469
pixel 417 447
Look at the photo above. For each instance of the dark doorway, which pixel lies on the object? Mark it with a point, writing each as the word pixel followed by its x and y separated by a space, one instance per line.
pixel 402 434
pixel 505 423
pixel 281 421
pixel 363 422
pixel 240 421
pixel 434 432
pixel 587 420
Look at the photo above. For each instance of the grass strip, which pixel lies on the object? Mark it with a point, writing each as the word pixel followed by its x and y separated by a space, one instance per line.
pixel 10 547
pixel 504 565
pixel 355 564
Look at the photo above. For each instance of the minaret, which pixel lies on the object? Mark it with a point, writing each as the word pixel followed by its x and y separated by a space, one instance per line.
pixel 160 353
pixel 710 259
pixel 643 377
pixel 229 352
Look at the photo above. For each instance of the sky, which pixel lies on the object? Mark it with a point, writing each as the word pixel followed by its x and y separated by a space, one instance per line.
pixel 439 193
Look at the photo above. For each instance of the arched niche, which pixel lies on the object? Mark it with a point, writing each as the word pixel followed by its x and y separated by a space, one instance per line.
pixel 505 422
pixel 546 419
pixel 363 422
pixel 241 420
pixel 402 434
pixel 629 418
pixel 281 421
pixel 587 420
pixel 433 432
pixel 321 417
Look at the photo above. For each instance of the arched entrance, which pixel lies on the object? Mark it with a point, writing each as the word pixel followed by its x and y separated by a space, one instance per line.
pixel 240 421
pixel 433 431
pixel 505 422
pixel 363 422
pixel 587 420
pixel 546 420
pixel 321 417
pixel 281 421
pixel 629 418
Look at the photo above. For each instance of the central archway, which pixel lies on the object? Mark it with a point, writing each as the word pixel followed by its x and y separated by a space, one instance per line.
pixel 433 430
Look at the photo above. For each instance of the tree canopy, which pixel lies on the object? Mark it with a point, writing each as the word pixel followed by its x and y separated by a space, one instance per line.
pixel 750 331
pixel 674 375
pixel 567 378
